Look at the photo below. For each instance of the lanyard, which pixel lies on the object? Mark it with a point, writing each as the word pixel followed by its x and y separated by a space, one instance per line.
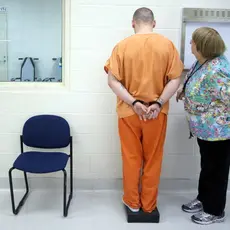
pixel 193 72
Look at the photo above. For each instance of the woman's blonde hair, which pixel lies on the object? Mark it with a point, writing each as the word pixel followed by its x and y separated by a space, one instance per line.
pixel 208 42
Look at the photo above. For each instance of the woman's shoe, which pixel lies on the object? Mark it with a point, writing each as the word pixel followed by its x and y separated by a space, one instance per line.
pixel 193 207
pixel 206 219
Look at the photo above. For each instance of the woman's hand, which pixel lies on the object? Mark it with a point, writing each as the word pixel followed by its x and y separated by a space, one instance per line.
pixel 180 94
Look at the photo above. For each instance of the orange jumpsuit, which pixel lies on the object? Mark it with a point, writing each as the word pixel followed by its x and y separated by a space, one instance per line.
pixel 143 63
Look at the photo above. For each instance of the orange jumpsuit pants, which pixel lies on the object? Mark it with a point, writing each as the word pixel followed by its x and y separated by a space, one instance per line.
pixel 142 152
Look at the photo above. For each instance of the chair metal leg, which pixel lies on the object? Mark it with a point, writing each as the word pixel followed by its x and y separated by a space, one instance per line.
pixel 67 204
pixel 21 203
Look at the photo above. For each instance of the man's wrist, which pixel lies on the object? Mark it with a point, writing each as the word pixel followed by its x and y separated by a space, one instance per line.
pixel 160 101
pixel 156 103
pixel 136 101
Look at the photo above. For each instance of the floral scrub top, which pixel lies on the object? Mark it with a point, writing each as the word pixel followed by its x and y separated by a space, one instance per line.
pixel 207 99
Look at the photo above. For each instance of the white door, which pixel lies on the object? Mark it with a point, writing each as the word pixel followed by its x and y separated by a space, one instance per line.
pixel 3 46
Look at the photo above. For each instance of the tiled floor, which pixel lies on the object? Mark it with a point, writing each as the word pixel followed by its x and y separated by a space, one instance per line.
pixel 100 210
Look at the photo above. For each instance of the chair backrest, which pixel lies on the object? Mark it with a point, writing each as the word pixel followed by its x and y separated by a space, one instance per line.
pixel 46 131
pixel 28 70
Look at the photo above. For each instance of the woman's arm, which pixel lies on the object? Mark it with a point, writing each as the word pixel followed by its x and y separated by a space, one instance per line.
pixel 220 87
pixel 223 83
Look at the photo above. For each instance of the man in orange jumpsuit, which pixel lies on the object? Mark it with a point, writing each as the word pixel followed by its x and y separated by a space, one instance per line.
pixel 144 72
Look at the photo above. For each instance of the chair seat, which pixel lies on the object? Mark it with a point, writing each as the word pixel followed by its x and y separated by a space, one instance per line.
pixel 41 162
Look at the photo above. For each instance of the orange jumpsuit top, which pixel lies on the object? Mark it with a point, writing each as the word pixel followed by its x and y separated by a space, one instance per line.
pixel 144 64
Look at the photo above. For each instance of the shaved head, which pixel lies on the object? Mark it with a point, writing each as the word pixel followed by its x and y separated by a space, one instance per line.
pixel 143 16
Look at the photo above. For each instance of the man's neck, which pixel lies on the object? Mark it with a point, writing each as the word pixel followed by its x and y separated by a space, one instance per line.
pixel 144 30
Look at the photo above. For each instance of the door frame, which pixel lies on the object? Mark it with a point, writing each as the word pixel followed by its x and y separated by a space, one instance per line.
pixel 4 12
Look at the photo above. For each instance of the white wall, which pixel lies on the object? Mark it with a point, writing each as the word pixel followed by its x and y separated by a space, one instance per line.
pixel 34 30
pixel 89 105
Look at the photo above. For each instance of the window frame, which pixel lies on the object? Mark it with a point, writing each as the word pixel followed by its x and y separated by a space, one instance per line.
pixel 50 86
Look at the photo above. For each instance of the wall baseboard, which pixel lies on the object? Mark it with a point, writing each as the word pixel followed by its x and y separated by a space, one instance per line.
pixel 40 183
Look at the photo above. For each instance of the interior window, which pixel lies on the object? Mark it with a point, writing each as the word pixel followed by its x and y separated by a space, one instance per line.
pixel 31 40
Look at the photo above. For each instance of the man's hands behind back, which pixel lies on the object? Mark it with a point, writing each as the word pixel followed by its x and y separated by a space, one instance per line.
pixel 146 113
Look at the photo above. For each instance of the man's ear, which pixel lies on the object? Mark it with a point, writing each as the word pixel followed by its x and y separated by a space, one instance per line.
pixel 133 24
pixel 154 24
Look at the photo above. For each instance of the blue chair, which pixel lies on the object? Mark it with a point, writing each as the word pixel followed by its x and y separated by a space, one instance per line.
pixel 44 132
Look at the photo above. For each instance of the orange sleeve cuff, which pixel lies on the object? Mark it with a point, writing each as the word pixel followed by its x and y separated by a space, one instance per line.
pixel 106 67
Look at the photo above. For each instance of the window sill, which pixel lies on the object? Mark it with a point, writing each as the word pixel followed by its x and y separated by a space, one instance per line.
pixel 33 86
